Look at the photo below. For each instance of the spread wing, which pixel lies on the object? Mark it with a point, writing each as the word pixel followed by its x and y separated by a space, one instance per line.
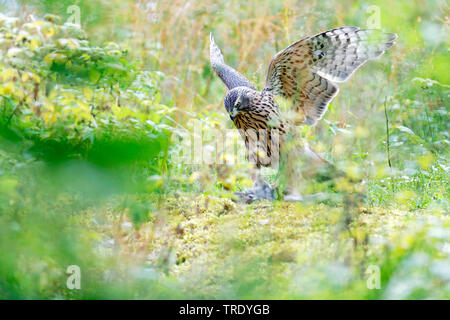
pixel 229 76
pixel 306 71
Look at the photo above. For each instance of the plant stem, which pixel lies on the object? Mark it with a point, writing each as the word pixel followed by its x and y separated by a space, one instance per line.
pixel 387 134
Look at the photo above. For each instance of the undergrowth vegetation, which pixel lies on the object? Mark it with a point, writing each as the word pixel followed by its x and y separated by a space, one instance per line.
pixel 97 130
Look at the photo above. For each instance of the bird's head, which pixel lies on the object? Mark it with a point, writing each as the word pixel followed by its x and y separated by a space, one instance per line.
pixel 238 99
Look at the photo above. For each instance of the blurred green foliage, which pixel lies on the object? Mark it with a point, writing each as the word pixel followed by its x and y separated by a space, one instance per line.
pixel 92 119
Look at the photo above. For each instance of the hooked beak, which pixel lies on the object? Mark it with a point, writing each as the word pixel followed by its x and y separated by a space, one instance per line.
pixel 234 113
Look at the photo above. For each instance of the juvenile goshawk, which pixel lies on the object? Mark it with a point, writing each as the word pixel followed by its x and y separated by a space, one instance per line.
pixel 305 74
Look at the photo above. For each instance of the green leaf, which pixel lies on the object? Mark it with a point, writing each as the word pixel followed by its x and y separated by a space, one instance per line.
pixel 406 130
pixel 94 75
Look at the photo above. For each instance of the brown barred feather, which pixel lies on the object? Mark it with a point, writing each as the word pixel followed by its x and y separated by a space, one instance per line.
pixel 258 126
pixel 305 71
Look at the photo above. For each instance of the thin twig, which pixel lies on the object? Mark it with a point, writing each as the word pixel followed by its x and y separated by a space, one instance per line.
pixel 387 134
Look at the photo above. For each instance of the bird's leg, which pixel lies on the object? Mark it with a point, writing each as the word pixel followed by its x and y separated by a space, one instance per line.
pixel 299 163
pixel 290 177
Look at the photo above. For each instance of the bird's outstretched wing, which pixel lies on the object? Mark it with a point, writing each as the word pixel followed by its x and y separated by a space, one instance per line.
pixel 305 71
pixel 229 76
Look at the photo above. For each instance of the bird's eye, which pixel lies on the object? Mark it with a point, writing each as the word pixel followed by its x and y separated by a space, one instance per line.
pixel 238 104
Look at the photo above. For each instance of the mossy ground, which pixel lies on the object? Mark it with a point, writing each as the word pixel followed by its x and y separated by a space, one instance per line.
pixel 221 249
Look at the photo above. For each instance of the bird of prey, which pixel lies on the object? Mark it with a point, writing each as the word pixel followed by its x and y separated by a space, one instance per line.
pixel 305 74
